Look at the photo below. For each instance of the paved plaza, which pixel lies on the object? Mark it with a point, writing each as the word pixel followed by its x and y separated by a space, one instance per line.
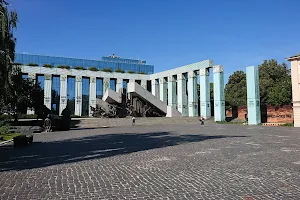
pixel 155 162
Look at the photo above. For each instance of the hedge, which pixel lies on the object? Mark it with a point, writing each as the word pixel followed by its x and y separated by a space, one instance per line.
pixel 93 69
pixel 79 68
pixel 33 64
pixel 106 70
pixel 63 67
pixel 119 70
pixel 131 72
pixel 48 65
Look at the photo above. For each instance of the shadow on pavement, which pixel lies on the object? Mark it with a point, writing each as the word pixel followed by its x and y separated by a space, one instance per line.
pixel 43 154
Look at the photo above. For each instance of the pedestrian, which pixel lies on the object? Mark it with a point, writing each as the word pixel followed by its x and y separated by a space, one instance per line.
pixel 133 120
pixel 47 124
pixel 201 119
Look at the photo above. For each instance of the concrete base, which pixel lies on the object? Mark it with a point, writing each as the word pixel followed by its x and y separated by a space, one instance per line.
pixel 172 112
pixel 111 96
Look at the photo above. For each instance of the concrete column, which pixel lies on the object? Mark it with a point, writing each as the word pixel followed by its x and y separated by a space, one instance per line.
pixel 155 87
pixel 163 86
pixel 47 90
pixel 31 76
pixel 144 84
pixel 78 96
pixel 172 97
pixel 119 85
pixel 219 100
pixel 181 95
pixel 106 84
pixel 253 96
pixel 63 93
pixel 205 93
pixel 295 75
pixel 192 94
pixel 92 95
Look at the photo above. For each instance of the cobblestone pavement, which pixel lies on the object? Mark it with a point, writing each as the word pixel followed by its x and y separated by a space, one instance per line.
pixel 156 162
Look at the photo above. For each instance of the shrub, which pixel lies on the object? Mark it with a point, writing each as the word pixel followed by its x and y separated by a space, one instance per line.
pixel 75 116
pixel 63 67
pixel 119 70
pixel 288 124
pixel 18 63
pixel 106 70
pixel 95 69
pixel 142 73
pixel 48 65
pixel 131 72
pixel 79 68
pixel 32 64
pixel 4 129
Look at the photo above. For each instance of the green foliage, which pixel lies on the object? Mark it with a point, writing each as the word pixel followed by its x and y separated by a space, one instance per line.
pixel 288 124
pixel 275 83
pixel 142 73
pixel 79 68
pixel 119 70
pixel 33 64
pixel 106 70
pixel 211 91
pixel 131 72
pixel 48 65
pixel 225 122
pixel 93 69
pixel 4 129
pixel 63 67
pixel 236 89
pixel 9 136
pixel 18 64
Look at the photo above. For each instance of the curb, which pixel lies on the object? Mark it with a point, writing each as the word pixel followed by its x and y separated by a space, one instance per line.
pixel 2 143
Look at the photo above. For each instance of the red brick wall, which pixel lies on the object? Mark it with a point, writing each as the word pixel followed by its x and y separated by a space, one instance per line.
pixel 282 114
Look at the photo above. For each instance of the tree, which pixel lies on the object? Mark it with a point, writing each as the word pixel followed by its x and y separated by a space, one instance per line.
pixel 211 91
pixel 236 90
pixel 16 93
pixel 275 83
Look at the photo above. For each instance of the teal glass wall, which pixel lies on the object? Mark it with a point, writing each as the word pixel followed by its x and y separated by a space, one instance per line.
pixel 113 84
pixel 71 94
pixel 99 88
pixel 55 94
pixel 85 96
pixel 106 62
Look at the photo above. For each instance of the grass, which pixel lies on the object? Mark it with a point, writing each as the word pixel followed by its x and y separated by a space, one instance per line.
pixel 288 124
pixel 9 136
pixel 225 122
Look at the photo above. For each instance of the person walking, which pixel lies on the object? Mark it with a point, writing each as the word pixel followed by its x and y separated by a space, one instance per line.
pixel 201 119
pixel 133 120
pixel 47 124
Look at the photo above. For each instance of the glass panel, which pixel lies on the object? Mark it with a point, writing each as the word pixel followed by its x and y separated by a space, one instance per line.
pixel 85 96
pixel 55 94
pixel 99 88
pixel 71 94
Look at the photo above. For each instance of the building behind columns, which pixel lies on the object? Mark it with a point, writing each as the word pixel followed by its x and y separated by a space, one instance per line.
pixel 176 89
pixel 295 74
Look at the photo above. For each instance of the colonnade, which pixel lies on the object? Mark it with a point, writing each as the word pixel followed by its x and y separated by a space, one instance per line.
pixel 176 90
pixel 180 91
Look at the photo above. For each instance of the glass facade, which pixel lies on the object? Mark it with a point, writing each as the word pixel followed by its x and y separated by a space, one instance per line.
pixel 55 94
pixel 113 84
pixel 85 96
pixel 25 76
pixel 71 94
pixel 99 88
pixel 111 62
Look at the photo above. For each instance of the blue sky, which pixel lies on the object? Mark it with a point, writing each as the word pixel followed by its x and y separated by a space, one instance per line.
pixel 165 33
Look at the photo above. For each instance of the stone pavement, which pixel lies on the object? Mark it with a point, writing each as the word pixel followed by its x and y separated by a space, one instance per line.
pixel 156 162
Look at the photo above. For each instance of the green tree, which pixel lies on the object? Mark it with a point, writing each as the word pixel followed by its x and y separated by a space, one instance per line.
pixel 236 90
pixel 275 83
pixel 211 91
